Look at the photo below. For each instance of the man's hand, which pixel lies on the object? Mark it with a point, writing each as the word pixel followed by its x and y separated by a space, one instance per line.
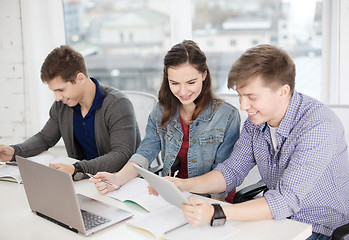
pixel 180 183
pixel 63 167
pixel 6 153
pixel 198 212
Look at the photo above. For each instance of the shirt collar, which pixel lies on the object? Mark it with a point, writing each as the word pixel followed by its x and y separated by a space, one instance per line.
pixel 97 101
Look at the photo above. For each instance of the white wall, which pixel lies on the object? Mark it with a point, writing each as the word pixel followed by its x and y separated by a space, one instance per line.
pixel 335 51
pixel 30 29
pixel 344 53
pixel 12 104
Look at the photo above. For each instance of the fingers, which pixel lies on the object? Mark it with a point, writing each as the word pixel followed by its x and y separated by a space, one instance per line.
pixel 101 186
pixel 94 179
pixel 54 165
pixel 6 153
pixel 152 191
pixel 180 183
pixel 194 201
pixel 198 212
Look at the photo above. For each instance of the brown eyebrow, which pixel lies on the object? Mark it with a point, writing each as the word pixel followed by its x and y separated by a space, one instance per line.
pixel 58 89
pixel 194 79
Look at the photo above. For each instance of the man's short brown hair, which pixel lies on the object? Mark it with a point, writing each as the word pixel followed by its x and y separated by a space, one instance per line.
pixel 64 62
pixel 273 64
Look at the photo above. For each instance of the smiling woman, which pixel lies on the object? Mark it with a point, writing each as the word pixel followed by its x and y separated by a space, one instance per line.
pixel 193 130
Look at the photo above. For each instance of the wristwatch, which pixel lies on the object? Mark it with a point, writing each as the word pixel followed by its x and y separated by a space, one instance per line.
pixel 78 172
pixel 218 218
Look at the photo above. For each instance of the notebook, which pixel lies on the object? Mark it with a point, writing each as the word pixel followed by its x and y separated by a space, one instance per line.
pixel 51 195
pixel 167 190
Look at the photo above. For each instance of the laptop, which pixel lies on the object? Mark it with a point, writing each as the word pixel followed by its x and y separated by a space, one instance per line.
pixel 51 195
pixel 167 189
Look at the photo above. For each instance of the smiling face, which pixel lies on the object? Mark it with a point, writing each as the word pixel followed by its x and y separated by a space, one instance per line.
pixel 263 103
pixel 185 82
pixel 67 92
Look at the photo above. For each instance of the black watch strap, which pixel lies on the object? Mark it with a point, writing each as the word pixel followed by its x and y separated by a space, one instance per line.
pixel 218 217
pixel 78 172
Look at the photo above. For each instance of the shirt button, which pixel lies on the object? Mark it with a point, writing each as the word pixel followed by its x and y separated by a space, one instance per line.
pixel 193 160
pixel 194 141
pixel 272 188
pixel 85 133
pixel 274 164
pixel 197 124
pixel 83 123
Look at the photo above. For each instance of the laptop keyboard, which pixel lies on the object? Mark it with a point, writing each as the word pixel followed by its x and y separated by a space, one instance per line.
pixel 91 220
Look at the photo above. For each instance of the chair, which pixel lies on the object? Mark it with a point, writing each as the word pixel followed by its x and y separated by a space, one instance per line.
pixel 233 99
pixel 143 104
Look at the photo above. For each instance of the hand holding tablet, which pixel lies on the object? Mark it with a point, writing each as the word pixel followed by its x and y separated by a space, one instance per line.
pixel 168 190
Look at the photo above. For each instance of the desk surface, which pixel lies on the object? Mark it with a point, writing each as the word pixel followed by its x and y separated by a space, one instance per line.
pixel 18 222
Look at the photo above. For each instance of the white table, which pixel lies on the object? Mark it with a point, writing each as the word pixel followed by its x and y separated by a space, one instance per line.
pixel 18 222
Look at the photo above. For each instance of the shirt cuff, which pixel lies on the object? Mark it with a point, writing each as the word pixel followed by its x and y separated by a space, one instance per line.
pixel 140 160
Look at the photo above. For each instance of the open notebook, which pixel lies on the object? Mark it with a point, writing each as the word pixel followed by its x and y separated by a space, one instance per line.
pixel 168 222
pixel 12 174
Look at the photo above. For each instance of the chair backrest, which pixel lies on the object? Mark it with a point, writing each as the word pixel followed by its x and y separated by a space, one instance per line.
pixel 342 112
pixel 143 104
pixel 233 99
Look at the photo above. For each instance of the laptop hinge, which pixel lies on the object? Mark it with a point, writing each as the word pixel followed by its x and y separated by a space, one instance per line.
pixel 57 222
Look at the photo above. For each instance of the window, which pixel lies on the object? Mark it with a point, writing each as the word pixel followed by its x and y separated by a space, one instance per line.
pixel 232 42
pixel 124 42
pixel 293 25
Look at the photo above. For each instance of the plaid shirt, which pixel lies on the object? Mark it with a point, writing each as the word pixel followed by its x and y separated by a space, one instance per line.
pixel 308 173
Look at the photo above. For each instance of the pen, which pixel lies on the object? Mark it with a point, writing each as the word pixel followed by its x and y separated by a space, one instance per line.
pixel 109 183
pixel 172 229
pixel 11 163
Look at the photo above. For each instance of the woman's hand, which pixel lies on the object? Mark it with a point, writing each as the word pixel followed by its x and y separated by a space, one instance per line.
pixel 101 186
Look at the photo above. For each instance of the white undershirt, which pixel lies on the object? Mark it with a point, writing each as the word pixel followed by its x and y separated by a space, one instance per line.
pixel 273 137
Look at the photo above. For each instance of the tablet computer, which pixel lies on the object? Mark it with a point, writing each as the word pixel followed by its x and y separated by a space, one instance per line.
pixel 168 190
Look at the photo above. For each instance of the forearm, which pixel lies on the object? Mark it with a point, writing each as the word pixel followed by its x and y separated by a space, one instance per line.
pixel 212 182
pixel 253 210
pixel 31 147
pixel 127 173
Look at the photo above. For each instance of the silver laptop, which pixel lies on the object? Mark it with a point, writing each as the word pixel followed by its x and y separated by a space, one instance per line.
pixel 51 195
pixel 167 190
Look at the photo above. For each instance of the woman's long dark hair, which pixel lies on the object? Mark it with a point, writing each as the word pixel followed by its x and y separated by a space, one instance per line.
pixel 185 52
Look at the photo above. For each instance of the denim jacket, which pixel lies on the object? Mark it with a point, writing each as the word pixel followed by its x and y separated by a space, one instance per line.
pixel 212 136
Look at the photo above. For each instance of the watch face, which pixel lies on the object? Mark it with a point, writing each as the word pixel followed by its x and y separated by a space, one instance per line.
pixel 218 222
pixel 78 176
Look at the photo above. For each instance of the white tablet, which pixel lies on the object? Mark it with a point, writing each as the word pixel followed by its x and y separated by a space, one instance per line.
pixel 168 190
